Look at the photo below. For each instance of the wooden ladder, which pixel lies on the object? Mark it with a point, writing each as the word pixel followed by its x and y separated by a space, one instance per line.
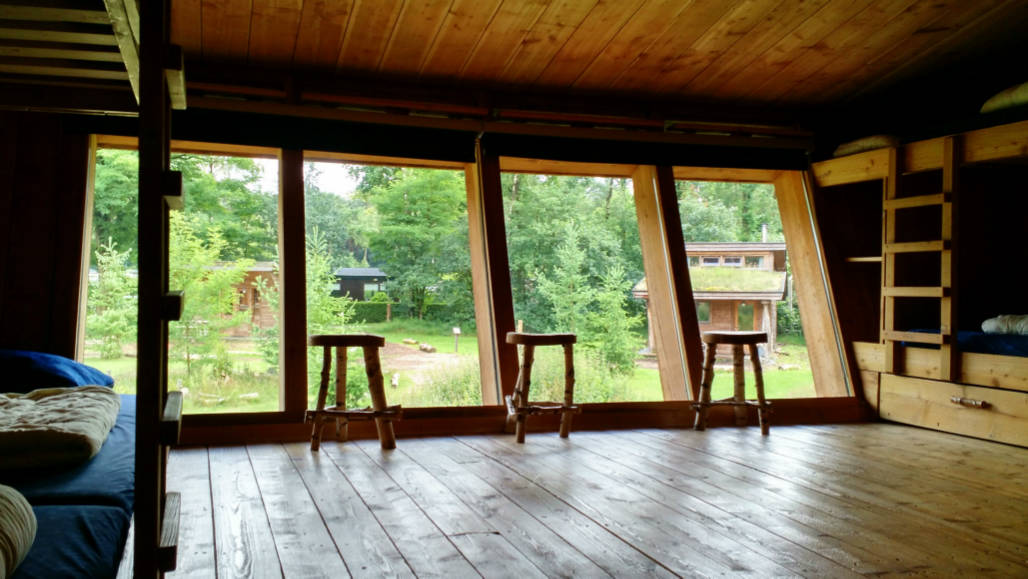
pixel 945 291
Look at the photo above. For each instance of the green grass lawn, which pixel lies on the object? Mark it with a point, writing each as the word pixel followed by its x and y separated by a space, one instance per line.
pixel 252 388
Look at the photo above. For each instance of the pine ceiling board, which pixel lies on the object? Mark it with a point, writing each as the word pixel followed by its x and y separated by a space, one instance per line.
pixel 789 81
pixel 715 41
pixel 649 23
pixel 372 24
pixel 780 22
pixel 320 39
pixel 1012 16
pixel 918 47
pixel 557 23
pixel 791 47
pixel 873 42
pixel 461 30
pixel 593 34
pixel 226 29
pixel 504 34
pixel 187 26
pixel 273 28
pixel 416 28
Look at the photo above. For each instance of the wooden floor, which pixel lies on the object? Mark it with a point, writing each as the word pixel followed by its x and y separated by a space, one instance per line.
pixel 815 501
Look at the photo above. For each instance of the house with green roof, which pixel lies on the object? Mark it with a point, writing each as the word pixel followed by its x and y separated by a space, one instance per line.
pixel 736 286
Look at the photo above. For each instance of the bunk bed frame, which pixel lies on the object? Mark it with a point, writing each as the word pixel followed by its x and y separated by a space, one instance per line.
pixel 940 386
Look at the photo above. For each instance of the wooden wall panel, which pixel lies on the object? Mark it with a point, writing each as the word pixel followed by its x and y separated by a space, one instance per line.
pixel 42 194
pixel 322 26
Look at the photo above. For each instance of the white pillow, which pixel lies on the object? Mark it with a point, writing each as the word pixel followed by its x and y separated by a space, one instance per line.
pixel 17 529
pixel 1006 324
pixel 866 144
pixel 1011 97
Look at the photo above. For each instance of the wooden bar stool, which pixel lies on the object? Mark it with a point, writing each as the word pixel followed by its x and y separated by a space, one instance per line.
pixel 738 400
pixel 518 406
pixel 382 415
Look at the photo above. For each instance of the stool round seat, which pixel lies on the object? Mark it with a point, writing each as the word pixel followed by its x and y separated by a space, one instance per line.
pixel 743 338
pixel 347 340
pixel 526 339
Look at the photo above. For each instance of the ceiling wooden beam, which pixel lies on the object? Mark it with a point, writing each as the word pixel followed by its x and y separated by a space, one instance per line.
pixel 122 14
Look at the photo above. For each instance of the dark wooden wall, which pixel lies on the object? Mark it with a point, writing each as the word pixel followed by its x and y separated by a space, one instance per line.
pixel 43 174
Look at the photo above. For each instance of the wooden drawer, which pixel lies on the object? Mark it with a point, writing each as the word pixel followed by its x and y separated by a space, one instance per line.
pixel 936 404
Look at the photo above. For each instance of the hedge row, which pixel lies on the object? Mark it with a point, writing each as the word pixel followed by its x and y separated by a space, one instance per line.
pixel 369 312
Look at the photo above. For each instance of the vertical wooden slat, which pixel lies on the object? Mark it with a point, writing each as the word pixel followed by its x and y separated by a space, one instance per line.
pixel 949 353
pixel 889 191
pixel 828 360
pixel 490 272
pixel 293 283
pixel 676 331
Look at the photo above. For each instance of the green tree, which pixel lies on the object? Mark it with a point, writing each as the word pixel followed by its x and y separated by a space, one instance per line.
pixel 420 212
pixel 611 326
pixel 111 305
pixel 115 201
pixel 567 288
pixel 196 268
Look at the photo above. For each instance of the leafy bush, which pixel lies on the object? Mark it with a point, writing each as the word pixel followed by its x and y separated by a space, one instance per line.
pixel 370 312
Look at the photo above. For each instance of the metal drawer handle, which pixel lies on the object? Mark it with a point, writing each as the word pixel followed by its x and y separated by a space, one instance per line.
pixel 970 402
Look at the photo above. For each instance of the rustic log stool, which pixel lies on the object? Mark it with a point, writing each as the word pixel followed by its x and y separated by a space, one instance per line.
pixel 382 415
pixel 738 400
pixel 518 406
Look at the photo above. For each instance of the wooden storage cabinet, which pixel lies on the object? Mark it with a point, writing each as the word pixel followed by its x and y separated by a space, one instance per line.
pixel 991 413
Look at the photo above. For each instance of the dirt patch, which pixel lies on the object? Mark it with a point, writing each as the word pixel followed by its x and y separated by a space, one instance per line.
pixel 412 362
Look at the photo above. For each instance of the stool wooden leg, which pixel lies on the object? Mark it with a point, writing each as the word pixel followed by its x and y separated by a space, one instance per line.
pixel 708 379
pixel 378 400
pixel 739 379
pixel 524 382
pixel 762 410
pixel 319 413
pixel 342 424
pixel 569 389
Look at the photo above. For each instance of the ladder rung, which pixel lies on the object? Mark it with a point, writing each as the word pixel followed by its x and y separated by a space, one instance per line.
pixel 915 337
pixel 865 259
pixel 167 551
pixel 918 201
pixel 916 246
pixel 915 292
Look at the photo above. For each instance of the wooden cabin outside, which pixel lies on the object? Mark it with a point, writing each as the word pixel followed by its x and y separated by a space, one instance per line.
pixel 741 90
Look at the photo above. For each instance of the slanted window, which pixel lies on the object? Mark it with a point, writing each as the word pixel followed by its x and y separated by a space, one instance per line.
pixel 755 261
pixel 733 261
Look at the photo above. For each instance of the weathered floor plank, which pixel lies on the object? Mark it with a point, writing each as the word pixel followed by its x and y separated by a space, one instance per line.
pixel 812 501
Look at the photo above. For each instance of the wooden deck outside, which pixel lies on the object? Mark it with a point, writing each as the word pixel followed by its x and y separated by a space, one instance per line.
pixel 816 501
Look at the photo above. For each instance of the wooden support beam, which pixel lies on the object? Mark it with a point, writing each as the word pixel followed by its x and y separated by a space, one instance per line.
pixel 172 186
pixel 122 14
pixel 171 306
pixel 490 273
pixel 829 362
pixel 676 330
pixel 293 284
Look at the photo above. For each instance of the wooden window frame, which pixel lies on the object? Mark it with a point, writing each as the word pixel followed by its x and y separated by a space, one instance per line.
pixel 665 262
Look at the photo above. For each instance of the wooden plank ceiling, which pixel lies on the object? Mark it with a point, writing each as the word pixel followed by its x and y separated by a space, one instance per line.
pixel 768 52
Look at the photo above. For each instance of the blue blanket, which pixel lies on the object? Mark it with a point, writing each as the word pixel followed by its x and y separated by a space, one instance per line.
pixel 75 541
pixel 107 479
